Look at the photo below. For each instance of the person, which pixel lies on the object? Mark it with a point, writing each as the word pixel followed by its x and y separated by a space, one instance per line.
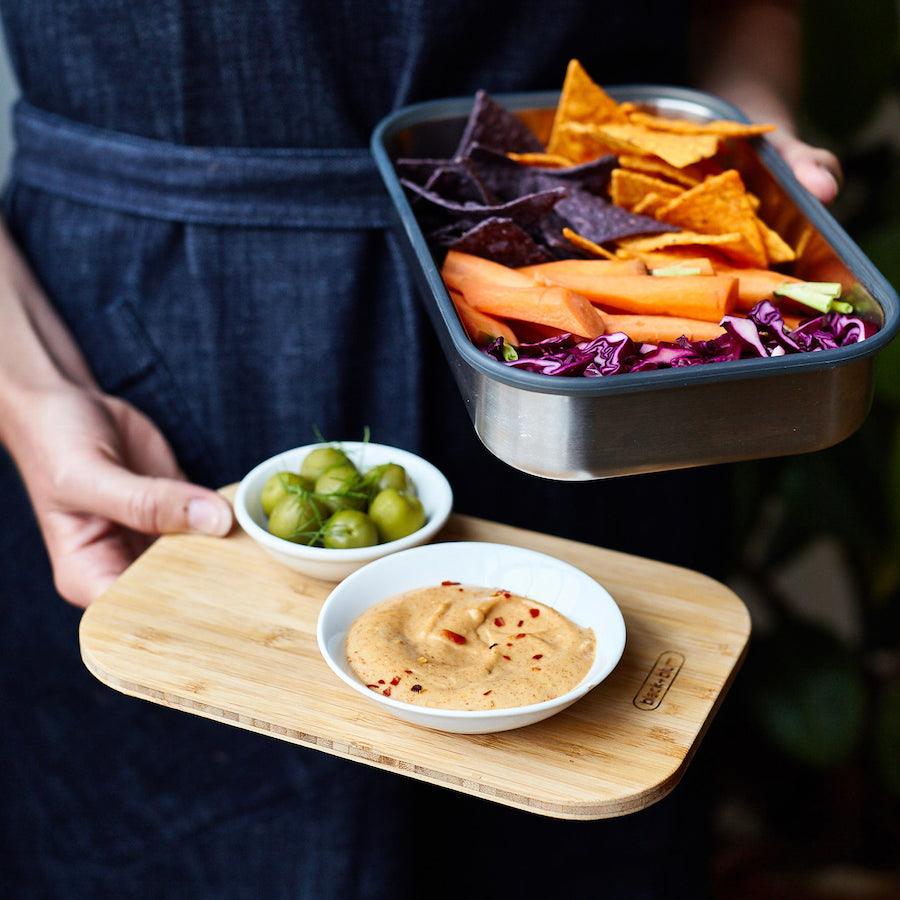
pixel 198 265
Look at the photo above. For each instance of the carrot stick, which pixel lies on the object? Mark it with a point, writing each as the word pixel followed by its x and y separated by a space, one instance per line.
pixel 689 262
pixel 706 297
pixel 553 306
pixel 481 327
pixel 554 271
pixel 458 266
pixel 654 329
pixel 754 284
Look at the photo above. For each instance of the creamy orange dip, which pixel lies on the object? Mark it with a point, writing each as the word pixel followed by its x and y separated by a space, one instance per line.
pixel 462 647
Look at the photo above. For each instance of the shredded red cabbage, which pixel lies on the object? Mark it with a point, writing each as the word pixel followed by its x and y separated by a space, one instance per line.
pixel 763 333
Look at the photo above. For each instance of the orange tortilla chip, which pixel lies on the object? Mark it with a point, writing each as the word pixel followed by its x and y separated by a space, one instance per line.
pixel 541 160
pixel 650 204
pixel 584 244
pixel 678 150
pixel 584 142
pixel 717 127
pixel 650 166
pixel 584 102
pixel 777 249
pixel 627 189
pixel 719 205
pixel 637 246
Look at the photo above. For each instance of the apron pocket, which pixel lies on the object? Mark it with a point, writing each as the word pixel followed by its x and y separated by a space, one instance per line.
pixel 126 363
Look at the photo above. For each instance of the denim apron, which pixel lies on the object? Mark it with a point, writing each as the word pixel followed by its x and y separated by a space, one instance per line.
pixel 240 296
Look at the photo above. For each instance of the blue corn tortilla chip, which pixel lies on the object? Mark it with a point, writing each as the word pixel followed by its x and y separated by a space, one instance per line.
pixel 601 221
pixel 508 179
pixel 456 181
pixel 419 170
pixel 502 241
pixel 524 211
pixel 491 125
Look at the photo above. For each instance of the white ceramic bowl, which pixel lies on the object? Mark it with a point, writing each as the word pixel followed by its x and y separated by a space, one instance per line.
pixel 332 565
pixel 526 572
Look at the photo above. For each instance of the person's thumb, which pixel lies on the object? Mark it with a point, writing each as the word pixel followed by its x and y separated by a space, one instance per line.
pixel 153 505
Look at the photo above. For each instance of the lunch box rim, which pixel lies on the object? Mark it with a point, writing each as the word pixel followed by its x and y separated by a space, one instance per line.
pixel 703 103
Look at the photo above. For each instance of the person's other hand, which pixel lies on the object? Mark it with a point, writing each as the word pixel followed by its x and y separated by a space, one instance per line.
pixel 816 169
pixel 103 480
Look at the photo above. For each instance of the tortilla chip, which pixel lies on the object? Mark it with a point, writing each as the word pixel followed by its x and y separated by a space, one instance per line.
pixel 541 160
pixel 718 127
pixel 502 241
pixel 678 150
pixel 525 210
pixel 777 249
pixel 649 165
pixel 491 125
pixel 719 205
pixel 650 205
pixel 507 179
pixel 637 245
pixel 584 244
pixel 628 189
pixel 582 101
pixel 600 221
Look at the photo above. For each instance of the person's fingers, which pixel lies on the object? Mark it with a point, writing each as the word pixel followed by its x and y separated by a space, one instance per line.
pixel 145 449
pixel 816 169
pixel 87 553
pixel 147 504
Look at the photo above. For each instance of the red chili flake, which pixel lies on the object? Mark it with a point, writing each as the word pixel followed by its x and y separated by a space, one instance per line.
pixel 506 657
pixel 408 671
pixel 499 621
pixel 373 686
pixel 381 681
pixel 509 645
pixel 453 636
pixel 448 583
pixel 538 656
pixel 521 623
pixel 462 590
pixel 485 693
pixel 534 613
pixel 520 635
pixel 416 688
pixel 386 692
pixel 395 680
pixel 507 594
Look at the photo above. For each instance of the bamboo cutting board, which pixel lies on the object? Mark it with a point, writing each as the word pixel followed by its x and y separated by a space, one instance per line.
pixel 216 628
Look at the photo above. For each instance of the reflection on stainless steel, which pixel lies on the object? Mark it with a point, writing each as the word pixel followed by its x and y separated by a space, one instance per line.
pixel 580 429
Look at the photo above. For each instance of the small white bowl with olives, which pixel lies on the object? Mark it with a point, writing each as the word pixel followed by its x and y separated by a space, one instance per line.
pixel 327 509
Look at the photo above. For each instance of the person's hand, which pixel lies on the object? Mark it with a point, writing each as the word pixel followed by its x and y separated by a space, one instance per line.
pixel 102 480
pixel 816 169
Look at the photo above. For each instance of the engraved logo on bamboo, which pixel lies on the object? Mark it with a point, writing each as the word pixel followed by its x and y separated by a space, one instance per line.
pixel 659 680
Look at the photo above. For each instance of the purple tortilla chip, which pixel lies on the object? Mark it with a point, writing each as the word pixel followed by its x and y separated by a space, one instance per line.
pixel 601 221
pixel 419 170
pixel 492 126
pixel 524 211
pixel 502 241
pixel 508 179
pixel 456 181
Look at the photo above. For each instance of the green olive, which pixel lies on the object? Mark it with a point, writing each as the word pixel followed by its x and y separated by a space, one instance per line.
pixel 318 462
pixel 297 518
pixel 348 529
pixel 396 514
pixel 341 487
pixel 388 475
pixel 278 486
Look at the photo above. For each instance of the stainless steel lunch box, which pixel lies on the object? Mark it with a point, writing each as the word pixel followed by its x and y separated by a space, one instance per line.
pixel 588 428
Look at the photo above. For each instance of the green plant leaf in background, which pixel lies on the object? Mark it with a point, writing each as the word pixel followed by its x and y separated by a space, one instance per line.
pixel 810 696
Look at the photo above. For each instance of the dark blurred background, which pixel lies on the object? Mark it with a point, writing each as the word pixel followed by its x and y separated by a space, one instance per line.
pixel 805 756
pixel 803 763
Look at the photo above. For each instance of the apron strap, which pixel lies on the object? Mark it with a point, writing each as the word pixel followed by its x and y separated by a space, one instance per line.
pixel 266 188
